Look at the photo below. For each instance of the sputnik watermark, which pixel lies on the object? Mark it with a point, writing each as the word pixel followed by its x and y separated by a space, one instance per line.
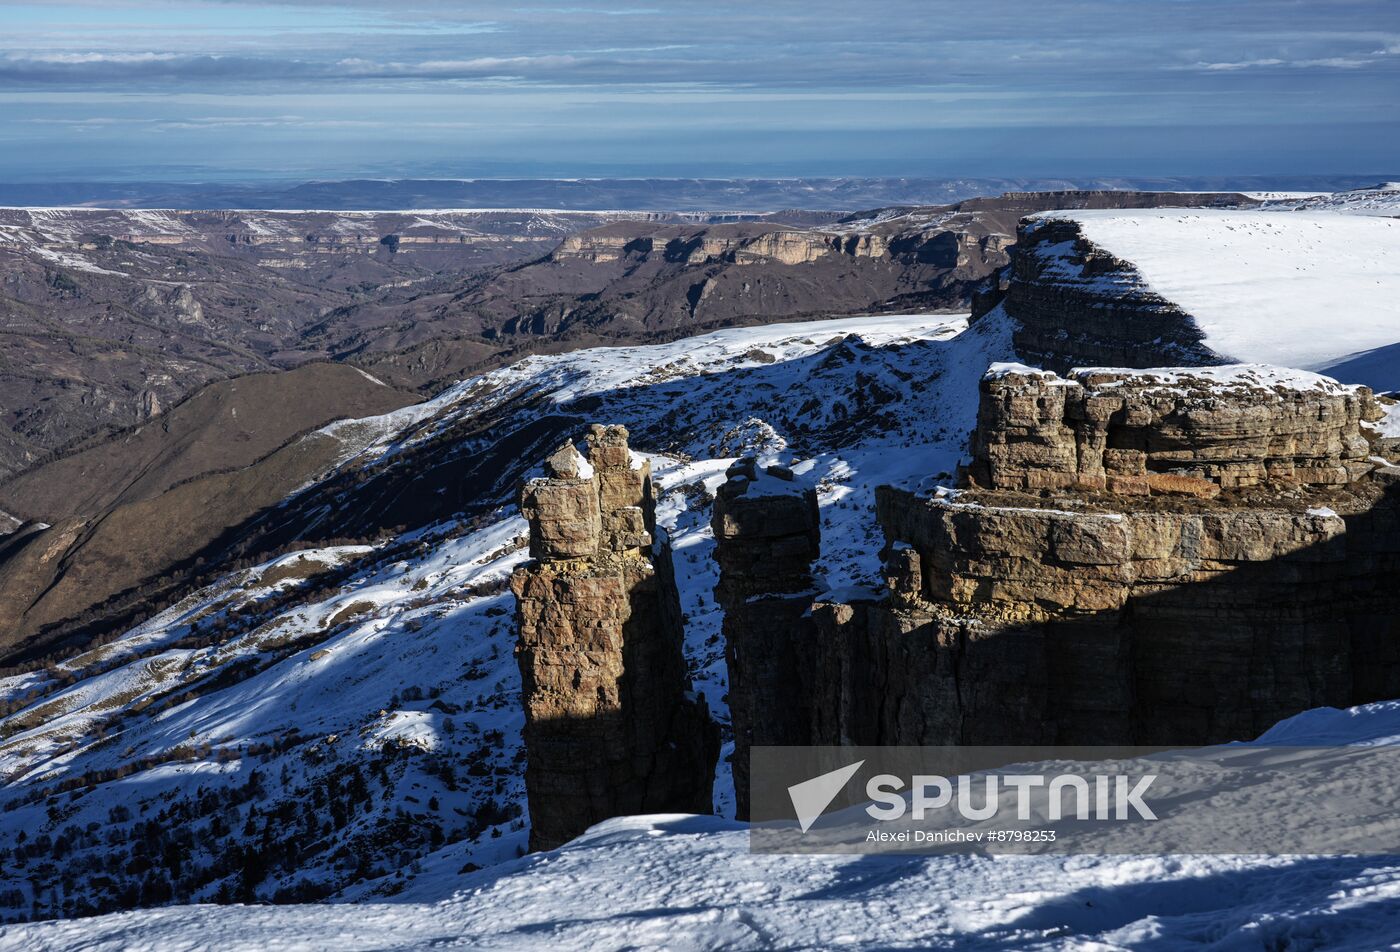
pixel 1230 799
pixel 1098 797
pixel 810 798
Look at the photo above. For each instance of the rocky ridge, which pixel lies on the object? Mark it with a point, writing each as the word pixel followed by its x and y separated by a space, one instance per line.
pixel 1167 557
pixel 1076 304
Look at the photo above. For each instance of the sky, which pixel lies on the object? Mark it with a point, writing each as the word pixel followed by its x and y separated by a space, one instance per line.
pixel 233 90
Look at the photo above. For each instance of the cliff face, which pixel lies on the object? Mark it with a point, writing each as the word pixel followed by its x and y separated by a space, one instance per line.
pixel 629 277
pixel 1160 287
pixel 1078 305
pixel 611 727
pixel 780 246
pixel 1157 558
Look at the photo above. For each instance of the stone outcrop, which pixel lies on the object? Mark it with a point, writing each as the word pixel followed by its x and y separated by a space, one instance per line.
pixel 1075 304
pixel 1244 569
pixel 1198 623
pixel 767 535
pixel 1168 431
pixel 740 245
pixel 611 726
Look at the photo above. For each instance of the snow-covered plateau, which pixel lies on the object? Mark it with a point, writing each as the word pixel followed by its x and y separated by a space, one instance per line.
pixel 1310 289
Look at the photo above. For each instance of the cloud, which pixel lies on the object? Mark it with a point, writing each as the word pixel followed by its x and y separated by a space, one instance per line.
pixel 85 58
pixel 1242 64
pixel 207 122
pixel 824 44
pixel 93 122
pixel 91 67
pixel 481 65
pixel 1326 62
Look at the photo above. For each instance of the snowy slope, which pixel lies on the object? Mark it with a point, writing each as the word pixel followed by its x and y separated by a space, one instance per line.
pixel 1298 289
pixel 367 697
pixel 679 882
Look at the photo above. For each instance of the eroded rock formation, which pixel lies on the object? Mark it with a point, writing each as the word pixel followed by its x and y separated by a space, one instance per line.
pixel 1164 557
pixel 767 535
pixel 611 727
pixel 1076 304
pixel 1192 432
pixel 729 243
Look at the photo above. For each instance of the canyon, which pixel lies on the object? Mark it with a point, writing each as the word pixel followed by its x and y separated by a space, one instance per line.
pixel 113 316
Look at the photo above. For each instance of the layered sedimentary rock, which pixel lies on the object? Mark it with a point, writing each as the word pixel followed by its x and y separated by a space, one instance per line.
pixel 740 245
pixel 611 726
pixel 1197 623
pixel 1168 557
pixel 1193 432
pixel 767 535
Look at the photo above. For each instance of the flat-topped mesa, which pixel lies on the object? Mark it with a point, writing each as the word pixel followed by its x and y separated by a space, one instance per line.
pixel 1162 287
pixel 611 726
pixel 767 535
pixel 1171 432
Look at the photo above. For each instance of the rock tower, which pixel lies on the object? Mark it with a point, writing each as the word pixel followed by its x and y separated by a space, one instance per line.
pixel 611 726
pixel 767 535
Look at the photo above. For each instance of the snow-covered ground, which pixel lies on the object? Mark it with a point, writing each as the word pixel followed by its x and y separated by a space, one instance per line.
pixel 682 882
pixel 1299 289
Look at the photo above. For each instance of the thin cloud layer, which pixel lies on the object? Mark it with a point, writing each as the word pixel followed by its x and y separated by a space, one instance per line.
pixel 723 82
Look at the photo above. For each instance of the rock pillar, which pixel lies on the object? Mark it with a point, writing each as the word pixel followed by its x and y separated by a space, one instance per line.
pixel 767 534
pixel 611 726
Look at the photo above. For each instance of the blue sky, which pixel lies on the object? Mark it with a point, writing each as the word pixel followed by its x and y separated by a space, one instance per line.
pixel 122 89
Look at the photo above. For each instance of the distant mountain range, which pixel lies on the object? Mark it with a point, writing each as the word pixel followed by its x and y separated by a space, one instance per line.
pixel 657 194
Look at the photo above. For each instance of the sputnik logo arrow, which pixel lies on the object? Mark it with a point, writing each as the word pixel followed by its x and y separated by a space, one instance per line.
pixel 810 798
